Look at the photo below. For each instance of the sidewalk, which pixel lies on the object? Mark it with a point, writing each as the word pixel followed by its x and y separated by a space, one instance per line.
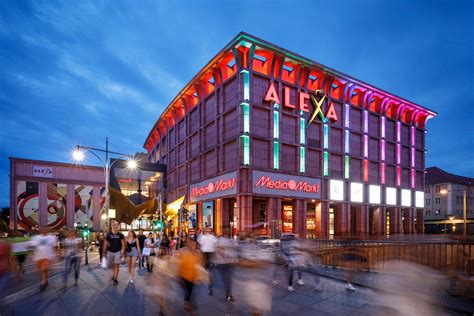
pixel 96 296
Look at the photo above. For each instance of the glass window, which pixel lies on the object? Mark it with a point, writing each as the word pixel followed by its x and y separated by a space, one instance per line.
pixel 427 202
pixel 427 212
pixel 437 201
pixel 437 189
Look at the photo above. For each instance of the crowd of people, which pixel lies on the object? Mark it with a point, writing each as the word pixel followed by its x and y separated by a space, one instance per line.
pixel 183 262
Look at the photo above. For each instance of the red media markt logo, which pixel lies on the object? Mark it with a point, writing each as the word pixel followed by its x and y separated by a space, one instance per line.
pixel 213 187
pixel 285 185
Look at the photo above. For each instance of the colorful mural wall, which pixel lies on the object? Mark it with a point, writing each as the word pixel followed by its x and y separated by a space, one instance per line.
pixel 27 211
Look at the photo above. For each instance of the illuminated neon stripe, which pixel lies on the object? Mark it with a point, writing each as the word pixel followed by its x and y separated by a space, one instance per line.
pixel 399 178
pixel 276 155
pixel 326 164
pixel 366 146
pixel 302 159
pixel 412 178
pixel 276 125
pixel 246 113
pixel 246 77
pixel 399 153
pixel 382 174
pixel 413 136
pixel 382 149
pixel 302 131
pixel 246 148
pixel 347 118
pixel 413 157
pixel 366 121
pixel 366 170
pixel 399 132
pixel 346 144
pixel 346 167
pixel 326 136
pixel 383 127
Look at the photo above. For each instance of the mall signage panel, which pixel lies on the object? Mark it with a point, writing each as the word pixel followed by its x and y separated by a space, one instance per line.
pixel 42 171
pixel 374 194
pixel 214 188
pixel 391 196
pixel 336 190
pixel 286 185
pixel 357 192
pixel 406 197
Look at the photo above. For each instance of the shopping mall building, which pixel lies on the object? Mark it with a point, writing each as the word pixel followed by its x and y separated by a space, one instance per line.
pixel 262 139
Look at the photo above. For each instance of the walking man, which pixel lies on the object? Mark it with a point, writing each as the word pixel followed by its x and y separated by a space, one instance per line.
pixel 207 245
pixel 45 252
pixel 72 256
pixel 114 248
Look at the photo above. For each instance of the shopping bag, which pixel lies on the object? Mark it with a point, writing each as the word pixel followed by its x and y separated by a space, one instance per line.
pixel 146 252
pixel 103 263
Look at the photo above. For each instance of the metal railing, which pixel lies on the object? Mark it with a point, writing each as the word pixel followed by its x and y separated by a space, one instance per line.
pixel 447 256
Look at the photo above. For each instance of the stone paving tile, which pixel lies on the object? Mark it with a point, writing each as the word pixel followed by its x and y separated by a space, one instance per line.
pixel 333 309
pixel 301 299
pixel 279 305
pixel 98 307
pixel 375 310
pixel 348 300
pixel 50 307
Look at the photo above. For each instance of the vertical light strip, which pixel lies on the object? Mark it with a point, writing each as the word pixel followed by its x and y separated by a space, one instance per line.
pixel 413 136
pixel 326 164
pixel 366 146
pixel 246 148
pixel 399 178
pixel 399 153
pixel 302 159
pixel 347 118
pixel 346 144
pixel 366 170
pixel 383 127
pixel 302 131
pixel 382 149
pixel 399 132
pixel 382 175
pixel 346 167
pixel 246 113
pixel 276 155
pixel 246 77
pixel 326 136
pixel 366 121
pixel 413 157
pixel 276 125
pixel 412 178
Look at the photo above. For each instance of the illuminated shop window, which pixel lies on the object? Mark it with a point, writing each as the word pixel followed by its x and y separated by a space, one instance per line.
pixel 302 131
pixel 346 167
pixel 246 113
pixel 246 77
pixel 276 155
pixel 246 148
pixel 326 164
pixel 326 136
pixel 302 159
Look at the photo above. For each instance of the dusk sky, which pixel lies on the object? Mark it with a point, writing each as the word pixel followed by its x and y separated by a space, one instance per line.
pixel 74 72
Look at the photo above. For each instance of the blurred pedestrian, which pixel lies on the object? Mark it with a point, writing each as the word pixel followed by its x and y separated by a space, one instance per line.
pixel 133 251
pixel 20 250
pixel 114 249
pixel 290 256
pixel 101 247
pixel 226 256
pixel 189 271
pixel 72 256
pixel 44 253
pixel 165 246
pixel 6 264
pixel 150 244
pixel 141 242
pixel 207 245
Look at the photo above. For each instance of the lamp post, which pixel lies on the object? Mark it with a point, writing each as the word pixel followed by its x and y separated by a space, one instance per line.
pixel 78 155
pixel 464 211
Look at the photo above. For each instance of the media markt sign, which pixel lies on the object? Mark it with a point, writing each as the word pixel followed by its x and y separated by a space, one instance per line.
pixel 214 188
pixel 286 185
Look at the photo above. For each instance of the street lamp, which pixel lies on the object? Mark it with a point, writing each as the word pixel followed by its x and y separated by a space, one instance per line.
pixel 78 155
pixel 464 212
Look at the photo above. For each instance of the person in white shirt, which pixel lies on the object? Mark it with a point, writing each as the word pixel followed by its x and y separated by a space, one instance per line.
pixel 226 256
pixel 207 245
pixel 72 256
pixel 151 242
pixel 44 253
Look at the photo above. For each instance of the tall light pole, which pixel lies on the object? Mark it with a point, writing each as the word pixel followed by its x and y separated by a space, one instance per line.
pixel 78 155
pixel 464 211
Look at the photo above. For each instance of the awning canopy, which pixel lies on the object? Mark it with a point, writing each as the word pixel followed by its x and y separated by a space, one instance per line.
pixel 173 207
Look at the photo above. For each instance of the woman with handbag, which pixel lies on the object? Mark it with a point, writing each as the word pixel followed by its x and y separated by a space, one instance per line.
pixel 132 251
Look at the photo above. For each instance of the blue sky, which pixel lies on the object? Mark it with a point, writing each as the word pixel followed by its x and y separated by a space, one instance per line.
pixel 74 72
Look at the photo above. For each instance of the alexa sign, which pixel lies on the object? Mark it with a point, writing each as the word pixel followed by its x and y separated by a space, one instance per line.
pixel 303 103
pixel 288 185
pixel 214 188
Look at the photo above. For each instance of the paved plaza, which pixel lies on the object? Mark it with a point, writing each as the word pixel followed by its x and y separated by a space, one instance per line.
pixel 95 295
